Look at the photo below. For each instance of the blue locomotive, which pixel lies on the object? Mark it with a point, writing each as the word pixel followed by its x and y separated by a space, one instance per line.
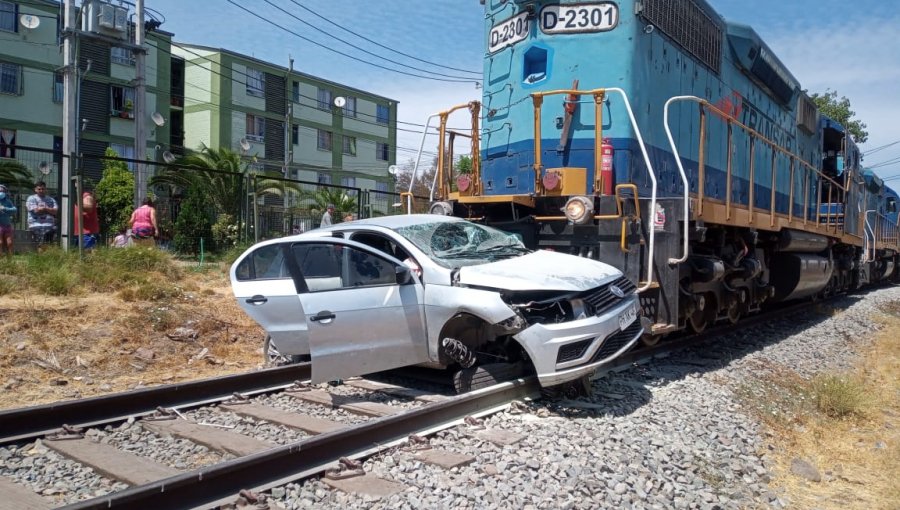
pixel 656 136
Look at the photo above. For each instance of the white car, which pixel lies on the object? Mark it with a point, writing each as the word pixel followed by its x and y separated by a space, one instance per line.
pixel 371 295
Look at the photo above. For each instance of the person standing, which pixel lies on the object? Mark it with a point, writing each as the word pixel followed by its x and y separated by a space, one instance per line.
pixel 326 218
pixel 7 209
pixel 42 211
pixel 143 224
pixel 91 220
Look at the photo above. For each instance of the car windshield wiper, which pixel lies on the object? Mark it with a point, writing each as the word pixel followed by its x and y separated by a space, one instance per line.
pixel 504 247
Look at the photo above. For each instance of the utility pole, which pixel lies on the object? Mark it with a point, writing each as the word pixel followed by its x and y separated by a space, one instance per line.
pixel 70 119
pixel 140 107
pixel 289 122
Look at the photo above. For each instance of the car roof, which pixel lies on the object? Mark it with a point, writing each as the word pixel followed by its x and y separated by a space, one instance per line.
pixel 399 221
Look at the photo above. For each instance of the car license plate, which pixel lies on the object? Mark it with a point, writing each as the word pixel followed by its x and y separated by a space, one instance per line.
pixel 627 317
pixel 575 18
pixel 508 32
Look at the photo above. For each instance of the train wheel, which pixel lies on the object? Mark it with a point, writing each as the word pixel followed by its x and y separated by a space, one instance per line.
pixel 650 340
pixel 704 314
pixel 734 313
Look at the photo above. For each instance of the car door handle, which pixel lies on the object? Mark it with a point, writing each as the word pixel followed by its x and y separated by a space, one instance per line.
pixel 323 316
pixel 257 300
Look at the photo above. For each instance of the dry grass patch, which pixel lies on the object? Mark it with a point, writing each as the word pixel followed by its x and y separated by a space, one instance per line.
pixel 90 340
pixel 847 425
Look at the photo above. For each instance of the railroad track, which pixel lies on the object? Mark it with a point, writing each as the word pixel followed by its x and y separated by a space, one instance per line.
pixel 244 462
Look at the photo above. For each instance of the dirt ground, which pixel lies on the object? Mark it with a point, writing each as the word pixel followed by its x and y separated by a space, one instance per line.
pixel 59 348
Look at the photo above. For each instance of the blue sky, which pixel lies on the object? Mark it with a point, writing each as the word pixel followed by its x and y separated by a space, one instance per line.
pixel 851 47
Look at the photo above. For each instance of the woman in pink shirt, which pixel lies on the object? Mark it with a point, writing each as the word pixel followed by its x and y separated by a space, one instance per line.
pixel 143 221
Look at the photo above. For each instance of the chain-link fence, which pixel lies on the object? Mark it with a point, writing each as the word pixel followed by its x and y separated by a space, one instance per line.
pixel 200 210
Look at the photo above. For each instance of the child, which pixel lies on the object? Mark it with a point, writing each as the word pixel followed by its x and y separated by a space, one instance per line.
pixel 121 239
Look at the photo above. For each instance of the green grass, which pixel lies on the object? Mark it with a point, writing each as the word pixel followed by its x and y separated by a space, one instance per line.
pixel 59 273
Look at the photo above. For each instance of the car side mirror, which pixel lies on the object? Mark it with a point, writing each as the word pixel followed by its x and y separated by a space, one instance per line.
pixel 404 276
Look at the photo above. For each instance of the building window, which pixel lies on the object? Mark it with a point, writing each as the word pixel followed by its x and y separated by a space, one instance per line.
pixel 383 114
pixel 10 79
pixel 350 145
pixel 350 182
pixel 381 186
pixel 382 151
pixel 124 151
pixel 7 143
pixel 324 98
pixel 324 140
pixel 256 128
pixel 121 102
pixel 295 91
pixel 256 81
pixel 9 14
pixel 295 134
pixel 121 56
pixel 59 88
pixel 350 107
pixel 324 178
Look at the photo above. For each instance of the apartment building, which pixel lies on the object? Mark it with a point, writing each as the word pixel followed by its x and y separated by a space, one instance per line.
pixel 31 84
pixel 322 131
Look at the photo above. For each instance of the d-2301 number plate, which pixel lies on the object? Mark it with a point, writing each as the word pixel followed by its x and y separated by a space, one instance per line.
pixel 509 32
pixel 577 18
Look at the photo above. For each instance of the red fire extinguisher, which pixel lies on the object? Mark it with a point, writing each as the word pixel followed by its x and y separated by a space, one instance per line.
pixel 606 166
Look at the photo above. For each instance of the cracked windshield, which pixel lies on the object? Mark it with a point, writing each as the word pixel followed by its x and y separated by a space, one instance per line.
pixel 457 244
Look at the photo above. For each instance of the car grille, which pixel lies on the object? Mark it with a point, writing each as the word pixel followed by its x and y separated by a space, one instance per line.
pixel 602 299
pixel 617 341
pixel 573 351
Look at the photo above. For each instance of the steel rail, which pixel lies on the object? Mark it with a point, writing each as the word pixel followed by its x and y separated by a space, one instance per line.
pixel 37 421
pixel 220 483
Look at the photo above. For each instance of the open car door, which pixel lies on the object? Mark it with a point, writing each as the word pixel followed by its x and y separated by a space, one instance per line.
pixel 265 289
pixel 364 309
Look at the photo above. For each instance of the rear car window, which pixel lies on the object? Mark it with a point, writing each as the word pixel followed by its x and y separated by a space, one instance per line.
pixel 265 263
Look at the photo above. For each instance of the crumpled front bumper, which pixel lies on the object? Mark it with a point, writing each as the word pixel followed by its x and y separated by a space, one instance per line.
pixel 543 341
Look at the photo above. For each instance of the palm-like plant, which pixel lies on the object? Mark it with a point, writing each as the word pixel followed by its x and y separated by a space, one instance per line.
pixel 221 175
pixel 342 201
pixel 15 175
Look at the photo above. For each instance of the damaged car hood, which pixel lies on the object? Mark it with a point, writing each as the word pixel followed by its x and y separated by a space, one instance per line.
pixel 540 270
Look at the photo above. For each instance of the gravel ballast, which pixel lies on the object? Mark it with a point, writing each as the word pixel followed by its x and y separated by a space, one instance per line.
pixel 668 434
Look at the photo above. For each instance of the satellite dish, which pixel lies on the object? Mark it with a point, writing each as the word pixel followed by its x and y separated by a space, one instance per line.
pixel 158 119
pixel 244 144
pixel 29 21
pixel 393 169
pixel 44 168
pixel 168 157
pixel 340 101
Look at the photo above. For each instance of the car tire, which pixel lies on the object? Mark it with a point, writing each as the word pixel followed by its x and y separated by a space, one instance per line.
pixel 273 358
pixel 483 376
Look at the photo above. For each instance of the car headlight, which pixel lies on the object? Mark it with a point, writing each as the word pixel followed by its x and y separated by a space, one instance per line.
pixel 579 210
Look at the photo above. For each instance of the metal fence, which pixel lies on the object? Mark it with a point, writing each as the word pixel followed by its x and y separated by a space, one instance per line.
pixel 229 207
pixel 39 164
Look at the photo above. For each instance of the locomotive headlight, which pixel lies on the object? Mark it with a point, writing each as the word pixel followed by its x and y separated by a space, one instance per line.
pixel 578 210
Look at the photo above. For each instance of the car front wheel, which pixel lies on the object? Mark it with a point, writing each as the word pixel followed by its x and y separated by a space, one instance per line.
pixel 483 376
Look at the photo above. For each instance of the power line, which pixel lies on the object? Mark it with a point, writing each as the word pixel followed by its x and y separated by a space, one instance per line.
pixel 345 29
pixel 267 20
pixel 367 52
pixel 878 149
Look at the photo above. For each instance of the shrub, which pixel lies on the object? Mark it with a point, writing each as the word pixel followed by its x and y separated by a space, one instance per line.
pixel 115 194
pixel 838 397
pixel 192 224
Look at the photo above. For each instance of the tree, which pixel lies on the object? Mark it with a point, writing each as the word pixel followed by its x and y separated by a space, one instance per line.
pixel 422 184
pixel 115 194
pixel 220 175
pixel 15 175
pixel 839 111
pixel 193 222
pixel 342 201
